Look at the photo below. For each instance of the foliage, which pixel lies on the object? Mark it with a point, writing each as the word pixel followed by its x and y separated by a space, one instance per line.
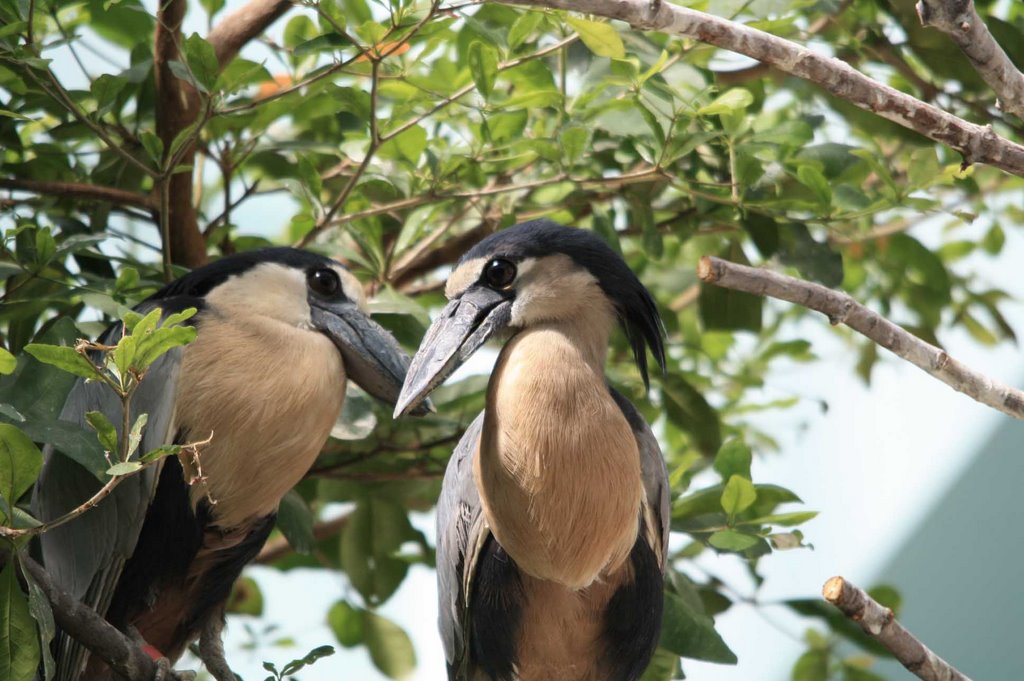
pixel 394 135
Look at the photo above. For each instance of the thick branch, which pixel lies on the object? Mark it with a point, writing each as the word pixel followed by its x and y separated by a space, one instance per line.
pixel 842 309
pixel 977 144
pixel 961 22
pixel 878 622
pixel 244 24
pixel 81 190
pixel 178 107
pixel 88 628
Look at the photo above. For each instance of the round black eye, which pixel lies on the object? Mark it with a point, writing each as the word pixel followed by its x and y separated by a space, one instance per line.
pixel 499 273
pixel 324 281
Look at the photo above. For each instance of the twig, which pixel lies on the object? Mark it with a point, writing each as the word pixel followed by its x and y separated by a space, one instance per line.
pixel 85 626
pixel 878 623
pixel 960 21
pixel 976 143
pixel 81 190
pixel 842 309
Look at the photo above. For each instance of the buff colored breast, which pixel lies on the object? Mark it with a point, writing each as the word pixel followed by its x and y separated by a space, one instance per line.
pixel 248 376
pixel 558 469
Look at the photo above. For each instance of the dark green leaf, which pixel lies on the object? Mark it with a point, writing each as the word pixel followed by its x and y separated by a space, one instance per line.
pixel 19 643
pixel 390 648
pixel 688 409
pixel 483 65
pixel 105 431
pixel 20 462
pixel 64 358
pixel 690 633
pixel 811 666
pixel 295 520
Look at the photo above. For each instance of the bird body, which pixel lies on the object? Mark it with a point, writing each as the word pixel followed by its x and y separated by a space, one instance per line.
pixel 553 518
pixel 278 332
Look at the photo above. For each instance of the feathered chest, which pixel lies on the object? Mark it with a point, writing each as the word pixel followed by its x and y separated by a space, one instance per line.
pixel 267 395
pixel 558 468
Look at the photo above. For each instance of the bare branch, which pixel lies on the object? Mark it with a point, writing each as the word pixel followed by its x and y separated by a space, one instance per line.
pixel 244 24
pixel 977 144
pixel 878 623
pixel 81 190
pixel 960 21
pixel 85 626
pixel 842 309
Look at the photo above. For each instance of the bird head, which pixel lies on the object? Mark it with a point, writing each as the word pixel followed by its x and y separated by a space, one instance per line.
pixel 532 273
pixel 307 291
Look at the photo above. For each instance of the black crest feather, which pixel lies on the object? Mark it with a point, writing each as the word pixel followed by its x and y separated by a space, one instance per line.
pixel 636 308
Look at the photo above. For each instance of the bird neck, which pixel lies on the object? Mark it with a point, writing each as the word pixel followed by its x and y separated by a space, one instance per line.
pixel 558 470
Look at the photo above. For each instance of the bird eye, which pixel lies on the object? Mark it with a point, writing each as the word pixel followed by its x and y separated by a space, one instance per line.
pixel 499 273
pixel 324 281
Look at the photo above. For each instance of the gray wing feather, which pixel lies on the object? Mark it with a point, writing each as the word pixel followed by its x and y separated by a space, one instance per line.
pixel 459 529
pixel 86 555
pixel 653 472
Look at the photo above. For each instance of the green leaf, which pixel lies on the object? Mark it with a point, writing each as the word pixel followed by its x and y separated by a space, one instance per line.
pixel 483 66
pixel 523 27
pixel 731 100
pixel 124 468
pixel 202 60
pixel 295 520
pixel 105 431
pixel 309 658
pixel 664 666
pixel 375 532
pixel 39 608
pixel 347 623
pixel 124 355
pixel 64 358
pixel 811 666
pixel 160 452
pixel 135 435
pixel 734 458
pixel 161 341
pixel 784 519
pixel 574 142
pixel 993 240
pixel 20 463
pixel 731 540
pixel 19 644
pixel 602 38
pixel 246 598
pixel 812 178
pixel 739 495
pixel 839 623
pixel 688 409
pixel 7 362
pixel 690 633
pixel 390 648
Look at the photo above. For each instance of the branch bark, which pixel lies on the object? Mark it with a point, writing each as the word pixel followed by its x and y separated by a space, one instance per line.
pixel 81 190
pixel 180 106
pixel 177 108
pixel 85 626
pixel 977 144
pixel 960 21
pixel 878 622
pixel 244 24
pixel 842 309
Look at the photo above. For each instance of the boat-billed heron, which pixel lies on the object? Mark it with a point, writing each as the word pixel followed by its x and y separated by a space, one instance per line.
pixel 552 525
pixel 278 333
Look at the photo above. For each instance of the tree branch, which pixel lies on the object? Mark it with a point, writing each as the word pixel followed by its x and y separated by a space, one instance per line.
pixel 81 190
pixel 85 626
pixel 977 144
pixel 960 21
pixel 842 309
pixel 878 623
pixel 178 106
pixel 244 24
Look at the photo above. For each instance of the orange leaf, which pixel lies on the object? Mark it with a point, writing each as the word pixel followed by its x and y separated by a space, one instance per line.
pixel 272 87
pixel 388 48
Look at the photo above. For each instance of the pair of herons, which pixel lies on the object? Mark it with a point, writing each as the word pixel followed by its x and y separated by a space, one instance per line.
pixel 552 526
